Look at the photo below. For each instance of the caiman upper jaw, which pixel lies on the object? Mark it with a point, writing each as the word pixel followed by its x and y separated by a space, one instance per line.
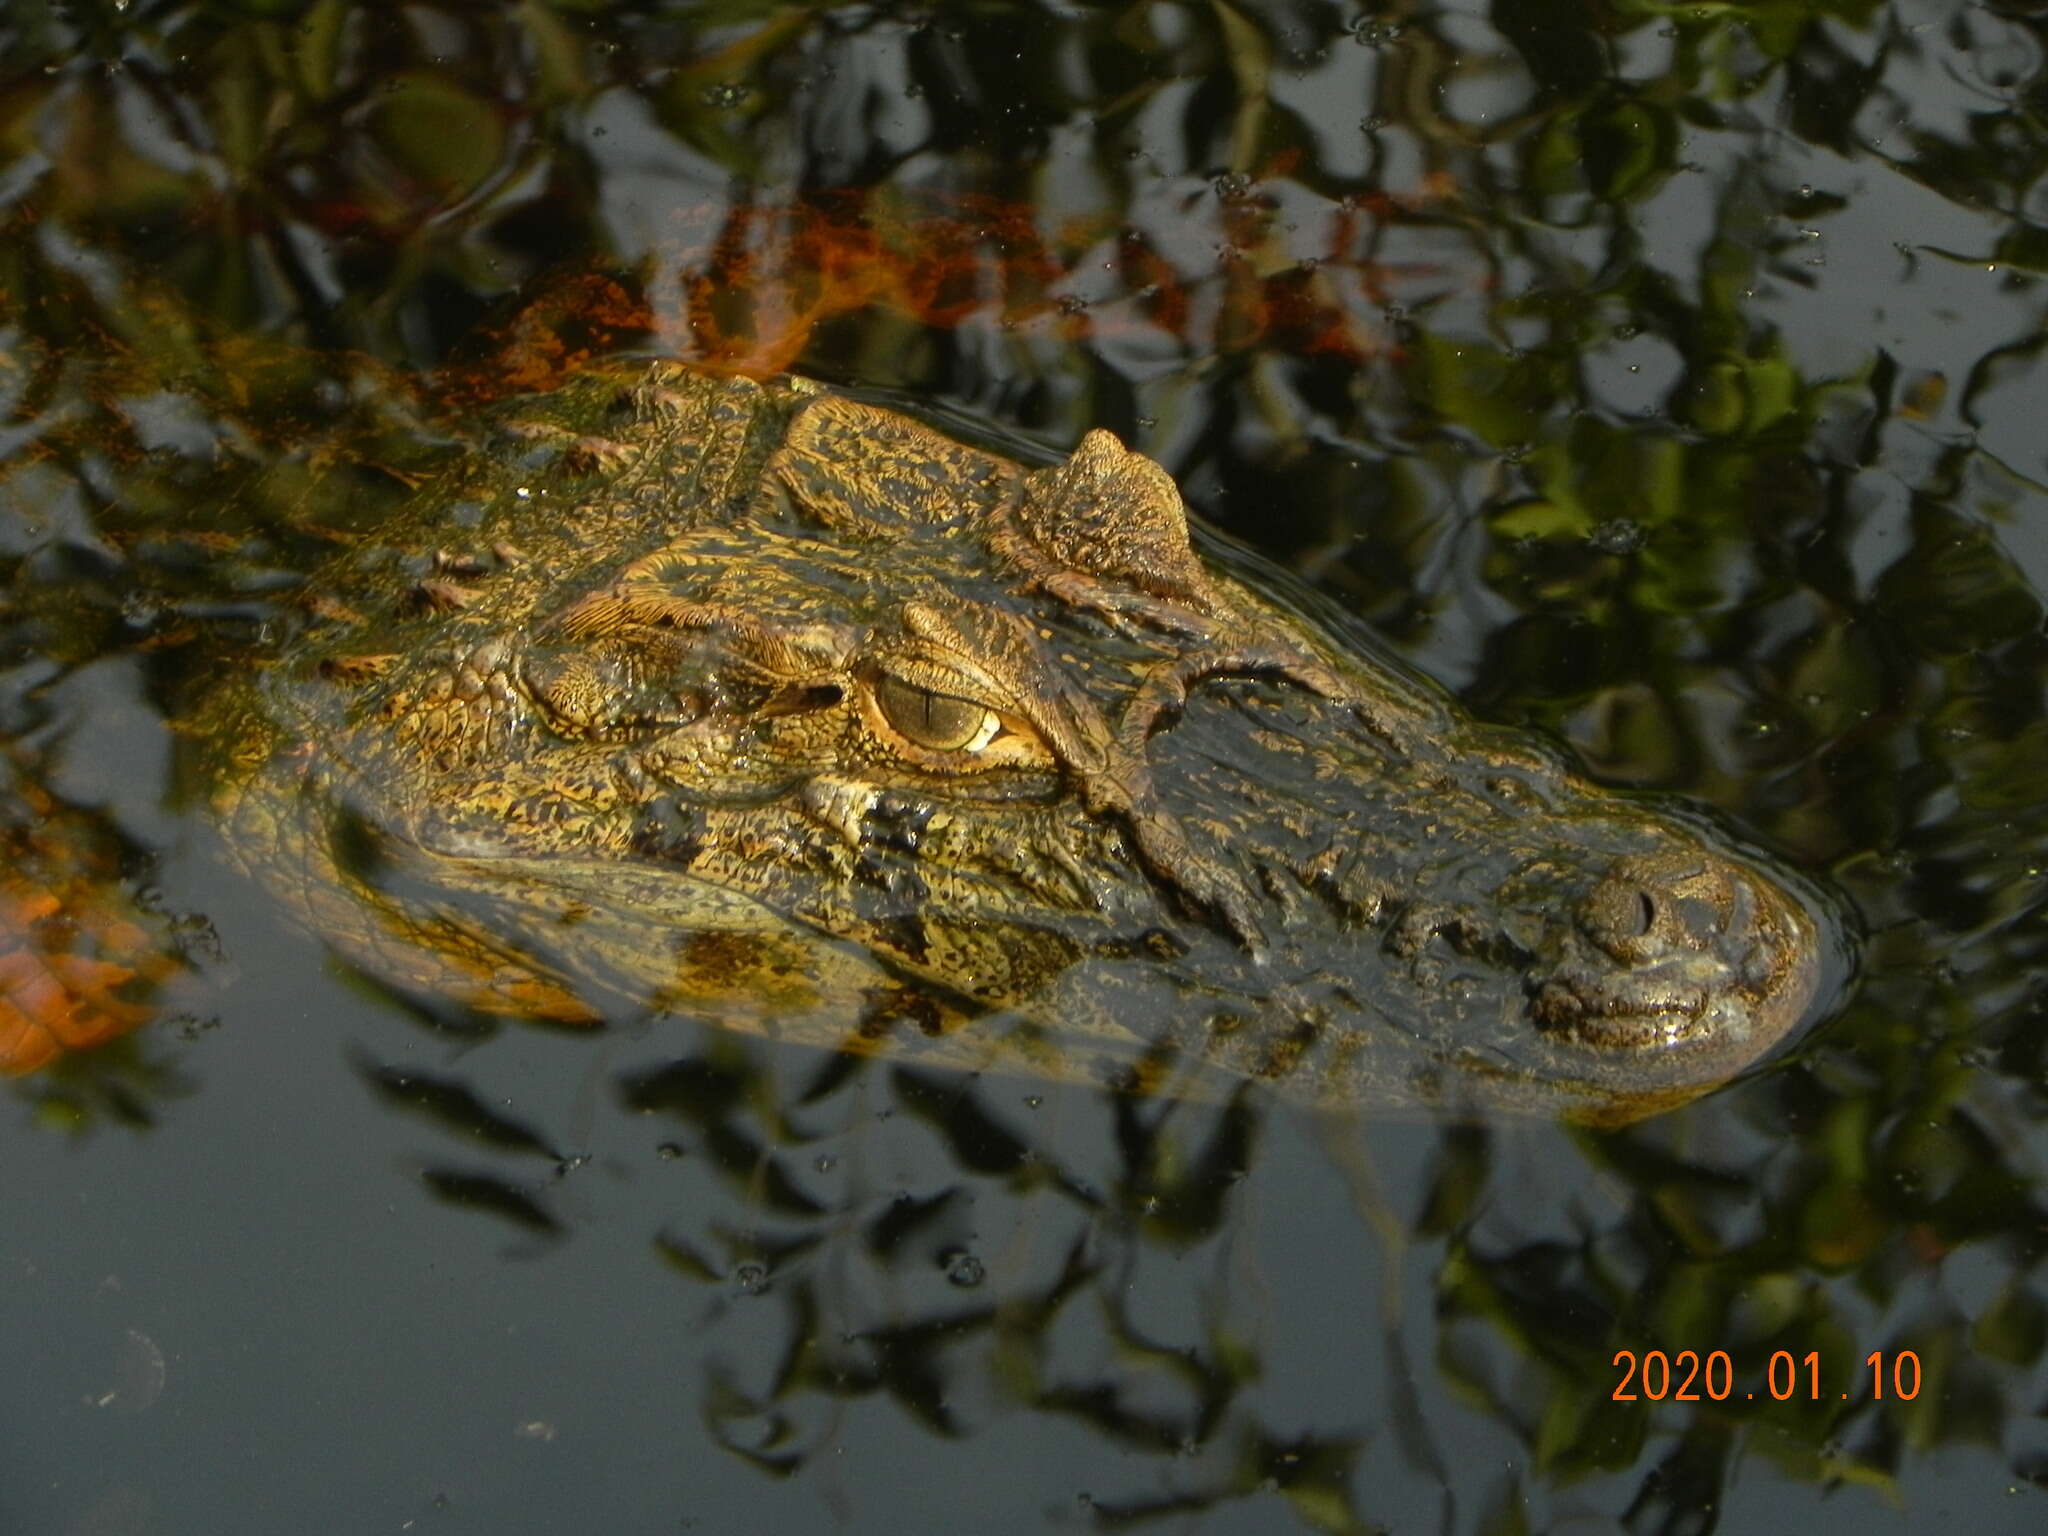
pixel 1673 947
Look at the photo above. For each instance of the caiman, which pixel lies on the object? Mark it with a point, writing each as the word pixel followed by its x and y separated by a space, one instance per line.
pixel 769 706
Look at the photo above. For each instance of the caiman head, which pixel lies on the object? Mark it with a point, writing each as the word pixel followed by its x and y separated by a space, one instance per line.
pixel 771 706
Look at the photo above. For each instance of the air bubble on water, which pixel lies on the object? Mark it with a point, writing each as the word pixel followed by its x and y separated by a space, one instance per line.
pixel 1617 536
pixel 139 1373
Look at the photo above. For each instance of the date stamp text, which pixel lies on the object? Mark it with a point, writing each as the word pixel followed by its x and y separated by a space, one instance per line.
pixel 1689 1377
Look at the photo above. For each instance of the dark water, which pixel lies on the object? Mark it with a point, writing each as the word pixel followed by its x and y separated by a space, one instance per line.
pixel 1662 376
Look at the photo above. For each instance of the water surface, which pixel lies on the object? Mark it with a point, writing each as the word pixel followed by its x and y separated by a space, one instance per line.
pixel 1662 377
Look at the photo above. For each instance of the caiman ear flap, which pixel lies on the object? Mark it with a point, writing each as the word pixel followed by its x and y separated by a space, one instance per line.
pixel 1115 515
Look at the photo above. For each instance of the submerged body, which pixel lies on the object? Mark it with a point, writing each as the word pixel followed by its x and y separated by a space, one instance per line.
pixel 768 706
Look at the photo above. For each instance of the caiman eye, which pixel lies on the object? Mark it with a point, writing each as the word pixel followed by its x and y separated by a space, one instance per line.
pixel 938 721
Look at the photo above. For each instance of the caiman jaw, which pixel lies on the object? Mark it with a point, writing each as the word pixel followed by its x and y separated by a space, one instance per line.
pixel 1477 901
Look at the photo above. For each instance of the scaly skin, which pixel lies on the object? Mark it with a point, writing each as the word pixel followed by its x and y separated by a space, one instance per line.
pixel 761 704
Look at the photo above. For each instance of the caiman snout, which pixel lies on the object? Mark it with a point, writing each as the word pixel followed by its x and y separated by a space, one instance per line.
pixel 1674 946
pixel 1657 904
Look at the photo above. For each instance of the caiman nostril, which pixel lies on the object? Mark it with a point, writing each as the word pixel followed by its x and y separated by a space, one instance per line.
pixel 1699 919
pixel 1619 916
pixel 1650 905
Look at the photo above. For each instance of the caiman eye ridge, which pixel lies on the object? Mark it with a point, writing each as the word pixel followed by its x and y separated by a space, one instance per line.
pixel 939 722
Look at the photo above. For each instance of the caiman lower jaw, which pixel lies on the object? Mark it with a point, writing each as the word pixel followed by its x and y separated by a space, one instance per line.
pixel 1570 1010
